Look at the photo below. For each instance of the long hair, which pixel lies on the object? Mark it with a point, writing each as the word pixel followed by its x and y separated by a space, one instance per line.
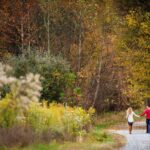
pixel 129 110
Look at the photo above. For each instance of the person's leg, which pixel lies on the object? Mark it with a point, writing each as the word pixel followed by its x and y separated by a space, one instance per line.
pixel 131 128
pixel 147 125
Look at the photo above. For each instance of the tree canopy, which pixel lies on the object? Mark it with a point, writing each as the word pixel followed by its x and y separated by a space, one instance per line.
pixel 105 43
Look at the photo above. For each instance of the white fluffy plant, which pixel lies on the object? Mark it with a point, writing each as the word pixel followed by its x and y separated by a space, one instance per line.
pixel 4 79
pixel 24 90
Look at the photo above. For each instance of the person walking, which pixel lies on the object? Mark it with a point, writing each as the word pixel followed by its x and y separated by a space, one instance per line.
pixel 147 113
pixel 129 115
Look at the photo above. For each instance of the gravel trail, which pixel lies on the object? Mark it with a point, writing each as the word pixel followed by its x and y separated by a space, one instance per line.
pixel 138 140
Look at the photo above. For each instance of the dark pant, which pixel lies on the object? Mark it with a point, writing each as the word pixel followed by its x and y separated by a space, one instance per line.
pixel 130 123
pixel 147 125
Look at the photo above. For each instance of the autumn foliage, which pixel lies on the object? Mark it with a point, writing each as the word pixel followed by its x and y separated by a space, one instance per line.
pixel 106 44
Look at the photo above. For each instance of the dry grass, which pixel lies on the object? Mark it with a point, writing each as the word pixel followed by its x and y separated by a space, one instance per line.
pixel 20 136
pixel 116 144
pixel 110 119
pixel 108 142
pixel 119 141
pixel 23 136
pixel 115 120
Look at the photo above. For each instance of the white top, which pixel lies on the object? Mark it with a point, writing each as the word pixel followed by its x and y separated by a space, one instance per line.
pixel 130 117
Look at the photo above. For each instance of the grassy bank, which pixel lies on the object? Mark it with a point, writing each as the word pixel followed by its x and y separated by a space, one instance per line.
pixel 93 140
pixel 112 119
pixel 100 141
pixel 97 139
pixel 109 119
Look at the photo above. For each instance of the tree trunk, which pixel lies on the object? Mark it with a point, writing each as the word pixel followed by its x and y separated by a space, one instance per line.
pixel 98 79
pixel 48 30
pixel 29 29
pixel 80 43
pixel 22 36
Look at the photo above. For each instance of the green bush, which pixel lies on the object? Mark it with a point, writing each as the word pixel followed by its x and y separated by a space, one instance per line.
pixel 4 91
pixel 38 118
pixel 55 71
pixel 7 112
pixel 23 90
pixel 59 118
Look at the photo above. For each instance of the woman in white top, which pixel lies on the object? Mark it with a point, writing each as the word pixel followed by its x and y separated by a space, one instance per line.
pixel 129 116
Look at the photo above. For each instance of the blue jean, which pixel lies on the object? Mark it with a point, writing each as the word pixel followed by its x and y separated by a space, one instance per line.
pixel 147 125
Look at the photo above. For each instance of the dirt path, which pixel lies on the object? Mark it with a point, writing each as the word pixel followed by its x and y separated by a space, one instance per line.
pixel 138 140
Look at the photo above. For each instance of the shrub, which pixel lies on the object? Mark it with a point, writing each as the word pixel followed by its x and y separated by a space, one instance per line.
pixel 17 136
pixel 55 71
pixel 100 136
pixel 59 119
pixel 23 91
pixel 4 90
pixel 22 101
pixel 39 118
pixel 7 113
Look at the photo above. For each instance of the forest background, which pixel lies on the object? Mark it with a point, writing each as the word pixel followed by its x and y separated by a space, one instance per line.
pixel 89 52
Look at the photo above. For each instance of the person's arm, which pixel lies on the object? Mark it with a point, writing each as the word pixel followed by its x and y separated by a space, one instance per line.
pixel 135 114
pixel 143 113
